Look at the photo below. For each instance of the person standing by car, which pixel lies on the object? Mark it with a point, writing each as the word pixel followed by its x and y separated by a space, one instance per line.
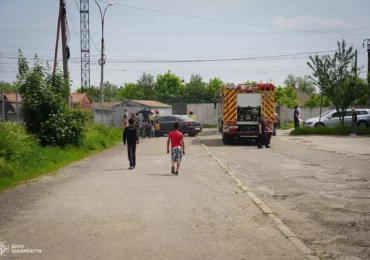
pixel 354 122
pixel 296 116
pixel 131 137
pixel 191 115
pixel 157 128
pixel 176 138
pixel 262 138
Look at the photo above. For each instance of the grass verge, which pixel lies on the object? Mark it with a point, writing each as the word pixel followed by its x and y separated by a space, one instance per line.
pixel 22 158
pixel 339 130
pixel 290 125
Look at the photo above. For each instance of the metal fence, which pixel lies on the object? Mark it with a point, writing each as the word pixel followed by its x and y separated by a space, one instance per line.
pixel 11 107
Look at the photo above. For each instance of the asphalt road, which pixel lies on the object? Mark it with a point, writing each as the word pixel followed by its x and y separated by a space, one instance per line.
pixel 319 187
pixel 98 209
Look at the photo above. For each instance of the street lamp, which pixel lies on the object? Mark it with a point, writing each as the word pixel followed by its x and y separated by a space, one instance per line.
pixel 102 60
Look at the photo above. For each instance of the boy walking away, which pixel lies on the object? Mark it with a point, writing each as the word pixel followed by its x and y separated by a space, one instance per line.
pixel 157 128
pixel 131 136
pixel 262 138
pixel 354 122
pixel 176 138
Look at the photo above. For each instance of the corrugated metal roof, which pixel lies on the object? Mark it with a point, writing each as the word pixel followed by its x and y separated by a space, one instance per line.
pixel 151 103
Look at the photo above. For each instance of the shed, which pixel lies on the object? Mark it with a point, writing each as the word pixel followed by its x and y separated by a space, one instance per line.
pixel 81 100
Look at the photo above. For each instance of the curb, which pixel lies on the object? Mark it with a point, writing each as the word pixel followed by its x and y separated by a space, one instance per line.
pixel 288 234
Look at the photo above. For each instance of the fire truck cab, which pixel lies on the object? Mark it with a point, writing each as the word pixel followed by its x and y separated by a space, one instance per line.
pixel 241 106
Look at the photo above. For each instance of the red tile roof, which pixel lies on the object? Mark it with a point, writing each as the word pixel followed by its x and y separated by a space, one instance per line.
pixel 78 97
pixel 12 97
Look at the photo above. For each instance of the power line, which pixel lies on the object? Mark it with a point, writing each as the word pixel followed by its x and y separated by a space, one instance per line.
pixel 214 19
pixel 72 20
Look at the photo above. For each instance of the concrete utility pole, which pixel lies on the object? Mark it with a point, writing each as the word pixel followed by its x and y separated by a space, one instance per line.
pixel 65 49
pixel 102 60
pixel 368 53
pixel 57 40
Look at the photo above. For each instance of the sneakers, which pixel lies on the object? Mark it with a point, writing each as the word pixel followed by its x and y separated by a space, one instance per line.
pixel 267 146
pixel 131 167
pixel 177 173
pixel 173 169
pixel 259 147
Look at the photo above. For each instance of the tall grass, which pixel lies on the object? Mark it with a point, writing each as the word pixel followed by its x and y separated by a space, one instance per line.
pixel 339 130
pixel 22 158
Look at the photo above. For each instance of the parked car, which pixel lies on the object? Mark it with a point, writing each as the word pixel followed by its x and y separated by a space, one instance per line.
pixel 187 125
pixel 331 119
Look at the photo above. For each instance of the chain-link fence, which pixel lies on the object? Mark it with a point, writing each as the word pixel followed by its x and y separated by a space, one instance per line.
pixel 11 107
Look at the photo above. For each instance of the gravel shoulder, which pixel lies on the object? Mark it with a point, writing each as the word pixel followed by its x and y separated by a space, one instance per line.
pixel 97 209
pixel 322 196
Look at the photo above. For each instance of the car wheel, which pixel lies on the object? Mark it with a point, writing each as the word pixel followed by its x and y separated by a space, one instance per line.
pixel 192 135
pixel 362 124
pixel 319 125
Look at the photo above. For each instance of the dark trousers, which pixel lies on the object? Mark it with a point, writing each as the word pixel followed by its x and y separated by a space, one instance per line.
pixel 131 151
pixel 296 123
pixel 262 139
pixel 157 133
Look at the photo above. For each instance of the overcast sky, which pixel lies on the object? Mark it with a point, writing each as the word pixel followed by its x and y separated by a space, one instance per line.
pixel 250 28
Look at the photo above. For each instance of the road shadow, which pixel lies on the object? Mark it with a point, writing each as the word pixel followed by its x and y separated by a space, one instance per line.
pixel 124 169
pixel 218 142
pixel 163 175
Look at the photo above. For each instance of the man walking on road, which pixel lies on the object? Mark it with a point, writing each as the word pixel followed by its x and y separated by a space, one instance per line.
pixel 262 138
pixel 176 138
pixel 131 136
pixel 354 122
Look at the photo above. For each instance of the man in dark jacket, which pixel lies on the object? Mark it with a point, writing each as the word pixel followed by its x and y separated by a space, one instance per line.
pixel 131 136
pixel 262 138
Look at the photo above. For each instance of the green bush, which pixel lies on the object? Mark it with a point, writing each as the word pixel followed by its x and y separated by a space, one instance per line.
pixel 45 107
pixel 339 130
pixel 22 157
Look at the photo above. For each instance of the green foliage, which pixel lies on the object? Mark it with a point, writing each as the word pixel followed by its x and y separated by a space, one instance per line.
pixel 214 87
pixel 130 91
pixel 315 101
pixel 169 88
pixel 146 85
pixel 195 91
pixel 286 96
pixel 92 92
pixel 21 156
pixel 338 77
pixel 339 130
pixel 304 84
pixel 45 109
pixel 7 87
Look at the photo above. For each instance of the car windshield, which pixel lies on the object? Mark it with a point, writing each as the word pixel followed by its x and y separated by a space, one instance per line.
pixel 327 112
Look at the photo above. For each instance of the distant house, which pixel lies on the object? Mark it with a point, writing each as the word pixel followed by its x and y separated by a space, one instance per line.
pixel 302 97
pixel 12 104
pixel 81 100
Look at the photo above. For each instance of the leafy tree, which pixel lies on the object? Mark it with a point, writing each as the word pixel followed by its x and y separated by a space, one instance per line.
pixel 214 87
pixel 7 87
pixel 92 92
pixel 110 91
pixel 286 96
pixel 315 101
pixel 129 91
pixel 168 88
pixel 338 77
pixel 290 81
pixel 146 85
pixel 195 90
pixel 45 108
pixel 304 84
